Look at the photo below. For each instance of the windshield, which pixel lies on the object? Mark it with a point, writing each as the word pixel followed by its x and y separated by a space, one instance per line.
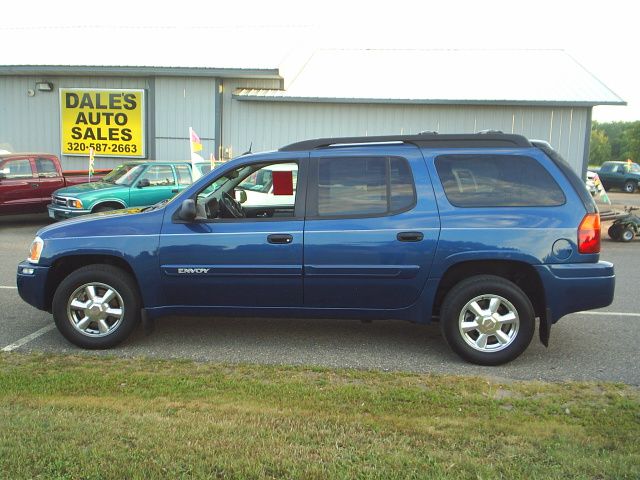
pixel 124 174
pixel 220 182
pixel 259 181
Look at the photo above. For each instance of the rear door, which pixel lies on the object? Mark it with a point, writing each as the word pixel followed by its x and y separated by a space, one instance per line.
pixel 371 228
pixel 19 187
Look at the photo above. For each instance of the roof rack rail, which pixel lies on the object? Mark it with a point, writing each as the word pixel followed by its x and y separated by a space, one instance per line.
pixel 428 140
pixel 488 130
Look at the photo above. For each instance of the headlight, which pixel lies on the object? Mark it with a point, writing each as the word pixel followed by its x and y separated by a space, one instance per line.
pixel 74 203
pixel 36 250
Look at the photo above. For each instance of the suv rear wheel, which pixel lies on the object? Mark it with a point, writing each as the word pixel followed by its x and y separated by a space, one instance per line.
pixel 96 306
pixel 487 320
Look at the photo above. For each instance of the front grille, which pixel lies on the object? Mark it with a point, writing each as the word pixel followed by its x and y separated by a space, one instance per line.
pixel 60 201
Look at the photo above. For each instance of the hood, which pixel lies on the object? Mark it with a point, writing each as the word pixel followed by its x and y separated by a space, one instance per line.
pixel 127 221
pixel 82 188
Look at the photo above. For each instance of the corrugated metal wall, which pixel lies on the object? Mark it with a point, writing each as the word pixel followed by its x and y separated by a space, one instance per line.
pixel 29 124
pixel 239 129
pixel 270 125
pixel 176 103
pixel 33 123
pixel 180 103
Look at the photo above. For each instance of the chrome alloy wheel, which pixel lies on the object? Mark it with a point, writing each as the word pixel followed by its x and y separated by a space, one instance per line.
pixel 95 309
pixel 489 323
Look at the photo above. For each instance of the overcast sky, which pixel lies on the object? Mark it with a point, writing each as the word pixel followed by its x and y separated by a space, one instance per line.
pixel 601 35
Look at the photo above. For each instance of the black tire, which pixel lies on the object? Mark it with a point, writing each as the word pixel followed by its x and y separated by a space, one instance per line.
pixel 614 232
pixel 627 234
pixel 117 327
pixel 520 331
pixel 629 186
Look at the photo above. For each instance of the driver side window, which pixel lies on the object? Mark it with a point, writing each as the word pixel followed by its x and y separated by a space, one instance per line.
pixel 159 175
pixel 254 191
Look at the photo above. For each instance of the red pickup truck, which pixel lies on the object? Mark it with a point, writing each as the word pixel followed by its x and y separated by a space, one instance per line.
pixel 27 181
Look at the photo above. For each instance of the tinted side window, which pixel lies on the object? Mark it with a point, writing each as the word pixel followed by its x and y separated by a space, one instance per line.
pixel 497 181
pixel 363 186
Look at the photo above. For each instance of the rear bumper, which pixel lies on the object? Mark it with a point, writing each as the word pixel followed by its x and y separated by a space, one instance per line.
pixel 31 286
pixel 576 287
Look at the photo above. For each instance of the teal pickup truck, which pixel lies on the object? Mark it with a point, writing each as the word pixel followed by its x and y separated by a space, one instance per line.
pixel 132 184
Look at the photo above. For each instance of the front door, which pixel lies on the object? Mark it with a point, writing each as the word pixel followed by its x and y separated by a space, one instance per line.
pixel 230 256
pixel 157 183
pixel 371 228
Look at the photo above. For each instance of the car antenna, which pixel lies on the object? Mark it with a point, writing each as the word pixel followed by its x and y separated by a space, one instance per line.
pixel 248 151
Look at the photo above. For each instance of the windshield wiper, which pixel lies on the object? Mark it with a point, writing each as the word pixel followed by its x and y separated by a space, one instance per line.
pixel 156 206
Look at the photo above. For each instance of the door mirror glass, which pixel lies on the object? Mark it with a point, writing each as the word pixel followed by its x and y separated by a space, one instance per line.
pixel 144 183
pixel 187 210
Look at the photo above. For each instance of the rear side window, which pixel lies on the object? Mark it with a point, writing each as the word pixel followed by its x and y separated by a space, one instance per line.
pixel 46 167
pixel 184 175
pixel 497 181
pixel 364 186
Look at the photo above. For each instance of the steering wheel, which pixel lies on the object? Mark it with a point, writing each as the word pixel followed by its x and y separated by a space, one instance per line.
pixel 231 206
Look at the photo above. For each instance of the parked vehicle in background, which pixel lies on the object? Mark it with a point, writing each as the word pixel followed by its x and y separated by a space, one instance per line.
pixel 485 233
pixel 591 182
pixel 132 184
pixel 27 181
pixel 260 189
pixel 622 175
pixel 626 226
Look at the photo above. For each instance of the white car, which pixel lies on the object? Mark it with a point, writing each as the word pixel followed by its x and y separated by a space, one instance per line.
pixel 259 187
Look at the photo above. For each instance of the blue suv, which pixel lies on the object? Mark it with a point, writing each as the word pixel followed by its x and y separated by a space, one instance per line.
pixel 484 233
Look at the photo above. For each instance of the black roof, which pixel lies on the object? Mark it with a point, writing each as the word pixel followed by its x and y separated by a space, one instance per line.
pixel 427 140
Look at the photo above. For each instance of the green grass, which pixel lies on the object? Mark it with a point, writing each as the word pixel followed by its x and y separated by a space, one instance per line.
pixel 85 417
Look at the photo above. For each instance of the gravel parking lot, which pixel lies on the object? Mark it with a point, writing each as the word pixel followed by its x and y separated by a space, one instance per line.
pixel 599 345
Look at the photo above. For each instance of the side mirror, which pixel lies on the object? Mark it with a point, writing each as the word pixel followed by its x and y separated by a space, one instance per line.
pixel 187 211
pixel 143 183
pixel 4 172
pixel 241 196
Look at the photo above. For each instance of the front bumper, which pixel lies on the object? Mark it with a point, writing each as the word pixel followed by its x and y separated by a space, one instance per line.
pixel 57 212
pixel 32 286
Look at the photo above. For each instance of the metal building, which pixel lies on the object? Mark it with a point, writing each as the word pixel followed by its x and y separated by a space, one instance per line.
pixel 265 100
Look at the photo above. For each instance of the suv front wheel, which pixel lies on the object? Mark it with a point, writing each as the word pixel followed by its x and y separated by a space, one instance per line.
pixel 96 306
pixel 487 320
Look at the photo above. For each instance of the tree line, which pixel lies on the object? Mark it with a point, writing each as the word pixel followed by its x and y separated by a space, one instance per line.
pixel 614 141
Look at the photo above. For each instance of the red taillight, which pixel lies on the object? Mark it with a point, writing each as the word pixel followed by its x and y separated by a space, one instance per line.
pixel 589 234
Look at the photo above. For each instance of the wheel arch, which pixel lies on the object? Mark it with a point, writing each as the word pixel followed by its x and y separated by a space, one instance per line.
pixel 108 202
pixel 65 265
pixel 520 273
